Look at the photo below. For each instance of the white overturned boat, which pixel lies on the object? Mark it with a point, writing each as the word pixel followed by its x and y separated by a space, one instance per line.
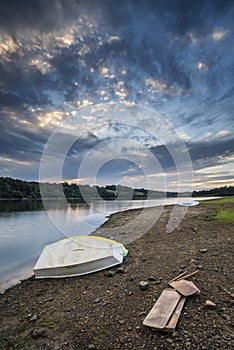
pixel 189 204
pixel 77 256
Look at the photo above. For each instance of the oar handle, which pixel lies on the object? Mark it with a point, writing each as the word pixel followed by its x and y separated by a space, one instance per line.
pixel 189 275
pixel 176 278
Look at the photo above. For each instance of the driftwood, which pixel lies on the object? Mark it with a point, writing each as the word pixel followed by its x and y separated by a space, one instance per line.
pixel 166 311
pixel 163 309
pixel 184 287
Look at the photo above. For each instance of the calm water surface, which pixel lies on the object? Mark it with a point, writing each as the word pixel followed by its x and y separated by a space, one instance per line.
pixel 25 228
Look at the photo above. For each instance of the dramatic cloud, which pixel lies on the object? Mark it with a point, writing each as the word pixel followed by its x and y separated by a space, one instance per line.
pixel 175 57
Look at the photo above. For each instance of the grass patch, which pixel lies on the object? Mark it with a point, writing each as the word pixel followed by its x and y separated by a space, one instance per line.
pixel 219 200
pixel 225 216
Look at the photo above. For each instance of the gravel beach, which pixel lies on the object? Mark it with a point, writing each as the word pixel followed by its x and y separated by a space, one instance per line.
pixel 105 310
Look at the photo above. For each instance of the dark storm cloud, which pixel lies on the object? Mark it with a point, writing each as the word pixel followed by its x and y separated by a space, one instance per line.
pixel 199 151
pixel 22 83
pixel 212 149
pixel 19 144
pixel 10 100
pixel 159 45
pixel 180 16
pixel 42 15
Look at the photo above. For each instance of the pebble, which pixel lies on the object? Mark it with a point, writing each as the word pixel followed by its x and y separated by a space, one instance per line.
pixel 110 274
pixel 144 285
pixel 203 250
pixel 210 303
pixel 37 333
pixel 121 270
pixel 121 321
pixel 33 318
pixel 175 334
pixel 151 278
pixel 169 340
pixel 49 299
pixel 97 300
pixel 225 316
pixel 91 347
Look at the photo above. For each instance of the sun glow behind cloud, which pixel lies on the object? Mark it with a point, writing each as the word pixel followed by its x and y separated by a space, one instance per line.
pixel 219 34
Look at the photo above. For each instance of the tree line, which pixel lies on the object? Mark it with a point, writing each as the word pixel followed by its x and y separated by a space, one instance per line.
pixel 219 191
pixel 19 189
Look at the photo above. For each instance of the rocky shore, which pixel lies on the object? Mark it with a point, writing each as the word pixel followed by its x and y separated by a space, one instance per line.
pixel 105 310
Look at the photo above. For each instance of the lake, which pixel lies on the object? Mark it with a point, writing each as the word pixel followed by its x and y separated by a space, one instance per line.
pixel 25 228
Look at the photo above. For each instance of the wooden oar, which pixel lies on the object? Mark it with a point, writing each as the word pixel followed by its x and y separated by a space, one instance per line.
pixel 187 276
pixel 176 278
pixel 184 287
pixel 162 310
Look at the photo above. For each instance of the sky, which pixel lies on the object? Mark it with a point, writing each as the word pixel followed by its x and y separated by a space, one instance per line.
pixel 138 93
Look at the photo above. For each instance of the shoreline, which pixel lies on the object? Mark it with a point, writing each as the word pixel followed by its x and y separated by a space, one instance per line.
pixel 17 279
pixel 105 310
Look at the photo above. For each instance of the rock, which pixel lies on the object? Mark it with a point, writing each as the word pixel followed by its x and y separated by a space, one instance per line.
pixel 91 347
pixel 97 300
pixel 203 250
pixel 33 318
pixel 49 299
pixel 151 278
pixel 210 303
pixel 110 274
pixel 120 270
pixel 225 316
pixel 37 333
pixel 144 285
pixel 175 334
pixel 121 321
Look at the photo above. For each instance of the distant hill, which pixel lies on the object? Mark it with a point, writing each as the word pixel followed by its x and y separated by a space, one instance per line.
pixel 19 189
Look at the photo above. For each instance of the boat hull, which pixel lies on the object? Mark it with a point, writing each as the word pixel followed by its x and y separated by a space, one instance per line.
pixel 78 256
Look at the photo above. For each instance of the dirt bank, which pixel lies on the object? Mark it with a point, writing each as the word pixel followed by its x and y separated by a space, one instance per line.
pixel 105 310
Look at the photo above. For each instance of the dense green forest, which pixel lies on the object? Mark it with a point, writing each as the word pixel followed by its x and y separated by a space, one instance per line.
pixel 19 189
pixel 220 191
